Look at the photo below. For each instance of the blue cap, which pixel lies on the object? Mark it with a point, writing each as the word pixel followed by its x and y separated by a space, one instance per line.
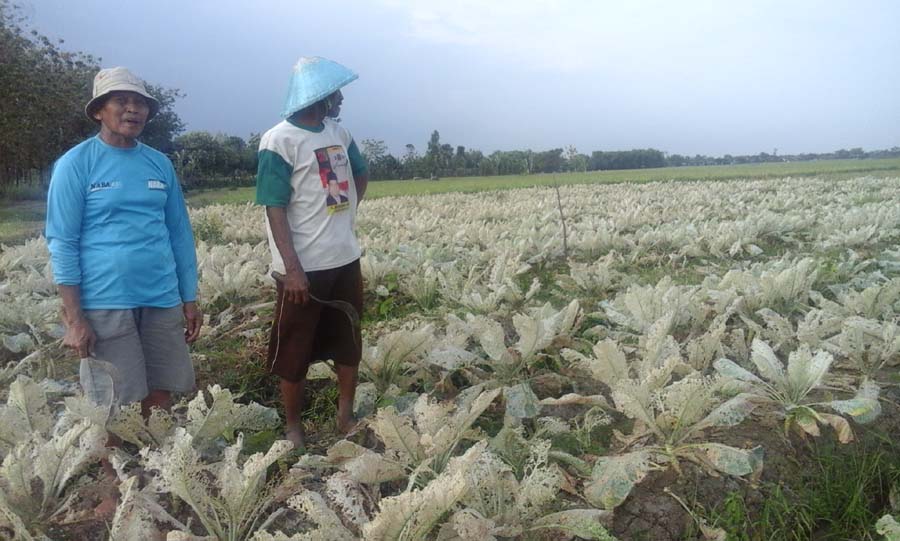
pixel 314 78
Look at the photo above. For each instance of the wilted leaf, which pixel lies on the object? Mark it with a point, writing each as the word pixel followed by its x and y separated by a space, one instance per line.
pixel 521 402
pixel 18 343
pixel 766 362
pixel 362 464
pixel 576 399
pixel 730 413
pixel 613 478
pixel 584 523
pixel 608 364
pixel 864 407
pixel 840 425
pixel 805 370
pixel 888 527
pixel 468 525
pixel 397 433
pixel 364 401
pixel 731 460
pixel 807 420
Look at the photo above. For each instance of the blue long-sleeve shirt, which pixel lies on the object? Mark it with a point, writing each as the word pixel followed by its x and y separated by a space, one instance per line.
pixel 118 227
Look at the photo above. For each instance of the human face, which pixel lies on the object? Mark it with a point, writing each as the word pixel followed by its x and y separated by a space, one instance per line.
pixel 122 118
pixel 334 189
pixel 335 100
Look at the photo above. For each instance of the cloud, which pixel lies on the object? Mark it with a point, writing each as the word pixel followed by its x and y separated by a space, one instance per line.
pixel 539 34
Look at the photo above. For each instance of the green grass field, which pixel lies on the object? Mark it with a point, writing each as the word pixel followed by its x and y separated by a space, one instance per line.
pixel 839 168
pixel 23 219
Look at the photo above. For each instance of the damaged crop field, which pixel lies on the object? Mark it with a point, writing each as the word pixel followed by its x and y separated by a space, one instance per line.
pixel 659 361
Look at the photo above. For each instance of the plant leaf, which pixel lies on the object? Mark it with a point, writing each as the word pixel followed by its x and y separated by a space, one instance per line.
pixel 613 478
pixel 805 370
pixel 766 362
pixel 584 523
pixel 576 399
pixel 730 369
pixel 864 407
pixel 398 434
pixel 888 527
pixel 840 425
pixel 732 460
pixel 731 412
pixel 521 402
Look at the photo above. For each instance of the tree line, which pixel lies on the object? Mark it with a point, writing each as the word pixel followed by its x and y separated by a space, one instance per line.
pixel 446 160
pixel 45 87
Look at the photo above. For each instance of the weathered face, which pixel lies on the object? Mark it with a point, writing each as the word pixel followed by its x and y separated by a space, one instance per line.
pixel 336 100
pixel 124 114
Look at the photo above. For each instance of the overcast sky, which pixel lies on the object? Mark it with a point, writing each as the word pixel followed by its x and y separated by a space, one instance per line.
pixel 691 76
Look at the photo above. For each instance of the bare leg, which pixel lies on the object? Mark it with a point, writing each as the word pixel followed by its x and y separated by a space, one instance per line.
pixel 292 398
pixel 156 399
pixel 347 378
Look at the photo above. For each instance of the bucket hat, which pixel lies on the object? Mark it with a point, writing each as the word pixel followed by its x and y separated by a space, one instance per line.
pixel 314 78
pixel 118 78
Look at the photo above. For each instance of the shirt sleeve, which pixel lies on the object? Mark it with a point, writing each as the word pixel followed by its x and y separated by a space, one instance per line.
pixel 273 180
pixel 182 239
pixel 65 208
pixel 357 163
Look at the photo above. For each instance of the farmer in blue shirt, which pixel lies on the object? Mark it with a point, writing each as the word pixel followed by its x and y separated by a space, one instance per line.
pixel 122 250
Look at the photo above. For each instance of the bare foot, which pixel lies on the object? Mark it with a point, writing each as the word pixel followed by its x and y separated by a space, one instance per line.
pixel 296 436
pixel 347 425
pixel 106 509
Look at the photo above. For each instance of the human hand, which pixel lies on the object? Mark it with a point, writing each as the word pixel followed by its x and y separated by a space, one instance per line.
pixel 80 337
pixel 296 287
pixel 193 320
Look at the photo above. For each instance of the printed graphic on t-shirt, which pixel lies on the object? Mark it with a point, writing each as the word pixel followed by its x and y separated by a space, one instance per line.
pixel 334 170
pixel 104 185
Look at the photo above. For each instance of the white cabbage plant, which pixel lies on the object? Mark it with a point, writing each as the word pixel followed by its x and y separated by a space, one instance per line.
pixel 231 497
pixel 388 368
pixel 208 421
pixel 888 526
pixel 509 366
pixel 417 446
pixel 790 389
pixel 43 459
pixel 499 504
pixel 670 419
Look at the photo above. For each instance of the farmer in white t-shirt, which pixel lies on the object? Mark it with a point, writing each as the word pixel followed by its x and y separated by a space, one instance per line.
pixel 311 237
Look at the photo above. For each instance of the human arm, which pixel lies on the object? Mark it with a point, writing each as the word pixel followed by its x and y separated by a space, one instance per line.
pixel 273 189
pixel 193 320
pixel 296 284
pixel 360 171
pixel 65 210
pixel 181 238
pixel 79 334
pixel 362 182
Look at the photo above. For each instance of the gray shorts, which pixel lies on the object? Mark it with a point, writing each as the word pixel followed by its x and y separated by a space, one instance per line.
pixel 147 347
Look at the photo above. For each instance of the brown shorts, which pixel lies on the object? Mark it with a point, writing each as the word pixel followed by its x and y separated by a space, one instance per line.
pixel 302 335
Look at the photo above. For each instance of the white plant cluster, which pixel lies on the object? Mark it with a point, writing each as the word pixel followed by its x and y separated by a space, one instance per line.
pixel 685 312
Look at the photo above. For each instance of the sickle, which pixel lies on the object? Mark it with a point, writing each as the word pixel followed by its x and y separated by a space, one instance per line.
pixel 348 309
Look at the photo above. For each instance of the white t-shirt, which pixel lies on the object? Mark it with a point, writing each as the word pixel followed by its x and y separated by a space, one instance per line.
pixel 310 172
